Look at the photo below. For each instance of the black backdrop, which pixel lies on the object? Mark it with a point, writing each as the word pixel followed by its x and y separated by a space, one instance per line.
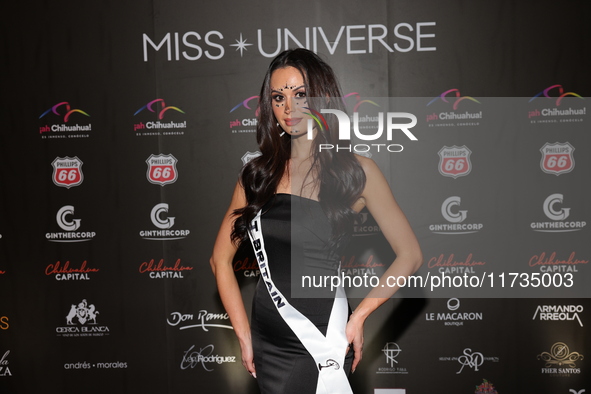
pixel 85 85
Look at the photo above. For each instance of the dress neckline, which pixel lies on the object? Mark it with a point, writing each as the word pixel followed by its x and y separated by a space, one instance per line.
pixel 296 195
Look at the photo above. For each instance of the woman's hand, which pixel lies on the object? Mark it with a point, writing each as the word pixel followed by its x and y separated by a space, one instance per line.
pixel 247 356
pixel 354 333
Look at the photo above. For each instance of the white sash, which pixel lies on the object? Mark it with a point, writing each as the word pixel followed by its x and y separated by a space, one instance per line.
pixel 328 352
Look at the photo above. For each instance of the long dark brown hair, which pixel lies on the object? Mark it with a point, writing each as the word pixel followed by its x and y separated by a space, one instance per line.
pixel 339 176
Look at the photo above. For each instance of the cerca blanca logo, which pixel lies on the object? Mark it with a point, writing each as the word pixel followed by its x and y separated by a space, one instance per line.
pixel 81 322
pixel 559 214
pixel 450 210
pixel 66 220
pixel 204 320
pixel 164 223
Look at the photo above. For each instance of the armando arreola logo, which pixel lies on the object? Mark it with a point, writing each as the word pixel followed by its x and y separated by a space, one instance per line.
pixel 66 222
pixel 159 108
pixel 61 130
pixel 344 134
pixel 162 169
pixel 164 223
pixel 560 361
pixel 81 322
pixel 559 313
pixel 67 171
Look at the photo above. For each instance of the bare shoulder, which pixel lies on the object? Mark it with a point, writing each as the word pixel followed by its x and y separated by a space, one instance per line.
pixel 372 172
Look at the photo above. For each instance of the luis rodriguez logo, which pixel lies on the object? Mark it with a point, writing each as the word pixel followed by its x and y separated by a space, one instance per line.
pixel 65 129
pixel 159 127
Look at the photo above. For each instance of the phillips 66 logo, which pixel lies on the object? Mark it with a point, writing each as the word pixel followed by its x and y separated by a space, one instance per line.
pixel 557 158
pixel 162 169
pixel 67 171
pixel 454 161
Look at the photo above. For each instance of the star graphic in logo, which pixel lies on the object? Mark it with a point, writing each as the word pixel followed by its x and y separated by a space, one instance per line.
pixel 240 45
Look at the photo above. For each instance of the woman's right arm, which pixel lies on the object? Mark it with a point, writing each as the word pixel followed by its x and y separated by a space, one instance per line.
pixel 221 265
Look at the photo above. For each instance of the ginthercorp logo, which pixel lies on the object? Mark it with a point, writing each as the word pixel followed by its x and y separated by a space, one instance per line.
pixel 452 212
pixel 67 171
pixel 246 113
pixel 64 112
pixel 559 313
pixel 81 322
pixel 454 161
pixel 68 222
pixel 204 320
pixel 355 40
pixel 162 169
pixel 557 158
pixel 456 117
pixel 554 210
pixel 164 222
pixel 5 365
pixel 560 361
pixel 550 107
pixel 203 357
pixel 365 225
pixel 453 317
pixel 159 127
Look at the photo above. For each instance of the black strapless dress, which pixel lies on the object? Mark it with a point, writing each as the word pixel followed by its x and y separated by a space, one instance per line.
pixel 295 230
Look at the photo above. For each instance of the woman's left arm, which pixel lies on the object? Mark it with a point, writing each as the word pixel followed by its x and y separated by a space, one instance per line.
pixel 380 202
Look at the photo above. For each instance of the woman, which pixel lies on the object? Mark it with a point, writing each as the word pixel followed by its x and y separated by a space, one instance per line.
pixel 297 205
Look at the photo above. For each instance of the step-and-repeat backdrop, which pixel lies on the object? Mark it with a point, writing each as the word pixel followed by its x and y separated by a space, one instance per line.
pixel 126 124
